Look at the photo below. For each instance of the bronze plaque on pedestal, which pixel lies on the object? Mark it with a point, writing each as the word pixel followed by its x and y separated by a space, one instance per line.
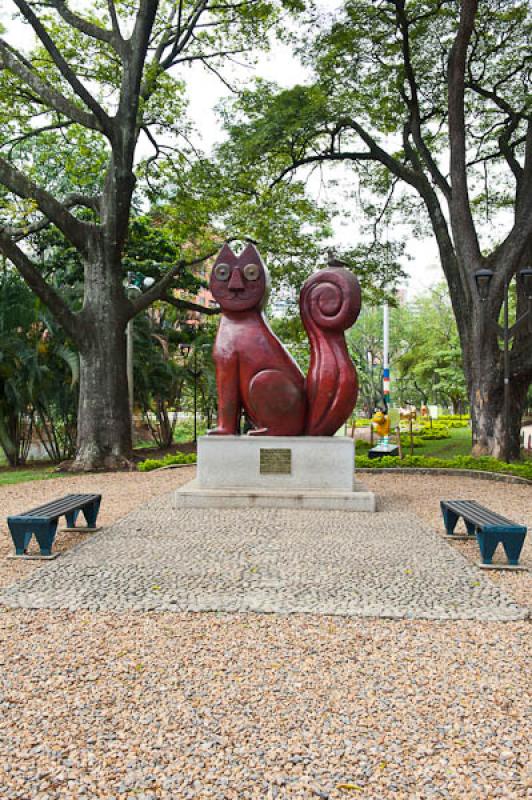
pixel 275 461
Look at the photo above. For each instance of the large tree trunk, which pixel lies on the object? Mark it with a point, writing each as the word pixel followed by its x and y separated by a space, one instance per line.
pixel 488 418
pixel 104 420
pixel 483 365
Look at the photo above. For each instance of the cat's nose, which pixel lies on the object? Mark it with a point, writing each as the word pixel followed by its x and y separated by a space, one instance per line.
pixel 236 284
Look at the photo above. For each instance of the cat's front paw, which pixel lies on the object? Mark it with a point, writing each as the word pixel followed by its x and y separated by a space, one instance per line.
pixel 259 432
pixel 221 432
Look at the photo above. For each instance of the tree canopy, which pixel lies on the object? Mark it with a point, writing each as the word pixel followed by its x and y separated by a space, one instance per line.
pixel 433 97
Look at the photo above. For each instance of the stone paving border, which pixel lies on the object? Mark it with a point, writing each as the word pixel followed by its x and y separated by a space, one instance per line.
pixel 158 558
pixel 457 473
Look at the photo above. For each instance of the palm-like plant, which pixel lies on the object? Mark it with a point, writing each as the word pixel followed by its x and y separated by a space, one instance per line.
pixel 17 367
pixel 38 377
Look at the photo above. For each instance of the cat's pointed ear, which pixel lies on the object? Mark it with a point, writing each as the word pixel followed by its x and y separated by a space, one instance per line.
pixel 250 255
pixel 226 256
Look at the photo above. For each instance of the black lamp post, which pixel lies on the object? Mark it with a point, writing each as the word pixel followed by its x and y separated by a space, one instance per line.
pixel 135 284
pixel 185 349
pixel 483 278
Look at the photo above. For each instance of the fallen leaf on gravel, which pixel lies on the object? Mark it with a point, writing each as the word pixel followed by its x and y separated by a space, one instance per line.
pixel 349 787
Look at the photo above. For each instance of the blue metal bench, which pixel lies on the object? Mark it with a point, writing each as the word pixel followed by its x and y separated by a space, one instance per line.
pixel 489 528
pixel 42 521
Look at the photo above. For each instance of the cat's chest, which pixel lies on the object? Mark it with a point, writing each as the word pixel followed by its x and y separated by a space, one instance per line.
pixel 240 336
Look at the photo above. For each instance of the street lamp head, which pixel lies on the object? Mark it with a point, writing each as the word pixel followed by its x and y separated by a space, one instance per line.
pixel 526 278
pixel 483 279
pixel 132 291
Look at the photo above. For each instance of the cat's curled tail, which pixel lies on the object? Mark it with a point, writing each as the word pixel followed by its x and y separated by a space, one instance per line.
pixel 329 303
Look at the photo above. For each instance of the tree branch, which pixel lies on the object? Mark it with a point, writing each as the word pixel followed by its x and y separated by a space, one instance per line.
pixel 511 249
pixel 507 148
pixel 160 289
pixel 74 229
pixel 36 282
pixel 63 67
pixel 318 158
pixel 189 306
pixel 14 62
pixel 465 236
pixel 114 20
pixel 81 24
pixel 183 36
pixel 70 201
pixel 499 101
pixel 413 103
pixel 12 143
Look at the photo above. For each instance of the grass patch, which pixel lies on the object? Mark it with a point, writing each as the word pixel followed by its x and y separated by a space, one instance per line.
pixel 454 442
pixel 458 443
pixel 23 475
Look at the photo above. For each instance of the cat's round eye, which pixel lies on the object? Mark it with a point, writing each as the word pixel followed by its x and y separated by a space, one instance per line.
pixel 251 272
pixel 222 272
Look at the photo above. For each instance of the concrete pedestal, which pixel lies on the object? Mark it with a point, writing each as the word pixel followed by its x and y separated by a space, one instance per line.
pixel 276 472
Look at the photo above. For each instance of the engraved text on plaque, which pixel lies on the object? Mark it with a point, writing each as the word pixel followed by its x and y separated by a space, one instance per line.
pixel 275 461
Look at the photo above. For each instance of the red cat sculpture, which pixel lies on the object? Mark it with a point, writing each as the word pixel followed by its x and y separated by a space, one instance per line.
pixel 253 370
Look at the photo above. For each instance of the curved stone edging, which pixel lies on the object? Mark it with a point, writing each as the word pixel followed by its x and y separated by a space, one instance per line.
pixel 170 466
pixel 468 473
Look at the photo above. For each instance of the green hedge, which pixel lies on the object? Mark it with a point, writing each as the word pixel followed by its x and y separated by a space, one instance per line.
pixel 441 433
pixel 523 469
pixel 167 461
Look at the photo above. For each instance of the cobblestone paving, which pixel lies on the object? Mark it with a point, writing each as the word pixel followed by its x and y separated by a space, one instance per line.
pixel 388 564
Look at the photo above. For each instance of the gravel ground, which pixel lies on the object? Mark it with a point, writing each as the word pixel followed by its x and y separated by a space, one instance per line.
pixel 261 706
pixel 139 705
pixel 163 558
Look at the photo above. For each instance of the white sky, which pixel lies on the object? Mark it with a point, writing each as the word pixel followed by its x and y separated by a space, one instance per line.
pixel 206 91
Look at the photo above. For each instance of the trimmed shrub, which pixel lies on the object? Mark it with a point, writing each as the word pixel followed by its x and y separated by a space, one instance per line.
pixel 523 469
pixel 435 434
pixel 167 461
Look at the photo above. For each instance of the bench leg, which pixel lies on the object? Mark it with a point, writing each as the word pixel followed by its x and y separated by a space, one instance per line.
pixel 90 513
pixel 471 529
pixel 513 544
pixel 449 519
pixel 487 542
pixel 71 518
pixel 45 535
pixel 21 534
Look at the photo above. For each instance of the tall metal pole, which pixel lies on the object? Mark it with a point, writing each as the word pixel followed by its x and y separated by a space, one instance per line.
pixel 386 354
pixel 506 376
pixel 195 397
pixel 129 362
